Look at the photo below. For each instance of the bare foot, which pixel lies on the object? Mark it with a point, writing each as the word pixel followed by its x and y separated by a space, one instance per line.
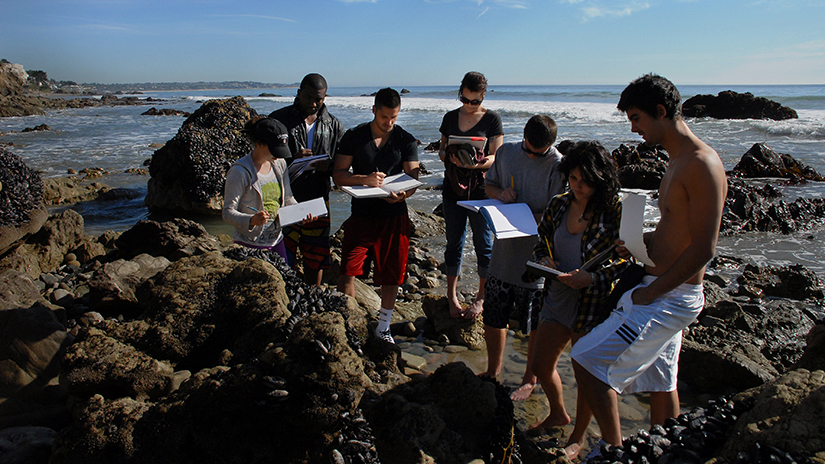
pixel 455 307
pixel 523 392
pixel 489 375
pixel 572 450
pixel 552 421
pixel 475 309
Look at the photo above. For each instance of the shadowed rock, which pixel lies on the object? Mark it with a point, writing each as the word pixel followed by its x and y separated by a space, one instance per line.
pixel 732 105
pixel 762 161
pixel 189 171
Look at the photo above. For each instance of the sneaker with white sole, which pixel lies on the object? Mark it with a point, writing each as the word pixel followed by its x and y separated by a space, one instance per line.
pixel 385 335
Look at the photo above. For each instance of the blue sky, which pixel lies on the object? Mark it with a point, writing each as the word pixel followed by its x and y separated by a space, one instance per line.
pixel 419 42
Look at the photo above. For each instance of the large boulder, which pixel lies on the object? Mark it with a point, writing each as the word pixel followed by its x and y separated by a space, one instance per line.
pixel 32 340
pixel 787 415
pixel 189 171
pixel 45 251
pixel 450 416
pixel 112 286
pixel 12 78
pixel 173 240
pixel 732 105
pixel 743 342
pixel 21 200
pixel 762 161
pixel 278 369
pixel 18 290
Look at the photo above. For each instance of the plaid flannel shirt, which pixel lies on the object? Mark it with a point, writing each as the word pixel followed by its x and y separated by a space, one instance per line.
pixel 601 233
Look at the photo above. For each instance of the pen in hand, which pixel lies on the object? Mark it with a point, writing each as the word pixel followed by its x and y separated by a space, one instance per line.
pixel 549 251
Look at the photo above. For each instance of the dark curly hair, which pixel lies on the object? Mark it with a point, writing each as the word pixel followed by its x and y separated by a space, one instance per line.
pixel 597 168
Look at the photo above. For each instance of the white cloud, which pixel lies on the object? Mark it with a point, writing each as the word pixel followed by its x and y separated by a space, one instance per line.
pixel 519 4
pixel 482 13
pixel 276 18
pixel 592 10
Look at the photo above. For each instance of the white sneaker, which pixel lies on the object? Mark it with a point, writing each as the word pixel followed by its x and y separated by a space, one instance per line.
pixel 385 335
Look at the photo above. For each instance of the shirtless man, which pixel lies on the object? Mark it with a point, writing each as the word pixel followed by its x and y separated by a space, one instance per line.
pixel 637 347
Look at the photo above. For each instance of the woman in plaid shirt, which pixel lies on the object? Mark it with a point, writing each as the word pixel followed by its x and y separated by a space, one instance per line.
pixel 576 226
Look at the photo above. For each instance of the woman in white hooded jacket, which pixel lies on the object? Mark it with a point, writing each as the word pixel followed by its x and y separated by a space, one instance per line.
pixel 257 186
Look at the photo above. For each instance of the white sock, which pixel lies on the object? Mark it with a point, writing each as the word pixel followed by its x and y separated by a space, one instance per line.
pixel 384 318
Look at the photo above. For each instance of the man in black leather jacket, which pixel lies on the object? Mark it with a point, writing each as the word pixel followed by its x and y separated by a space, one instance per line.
pixel 312 131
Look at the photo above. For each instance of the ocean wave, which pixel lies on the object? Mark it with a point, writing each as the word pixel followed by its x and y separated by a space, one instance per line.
pixel 560 111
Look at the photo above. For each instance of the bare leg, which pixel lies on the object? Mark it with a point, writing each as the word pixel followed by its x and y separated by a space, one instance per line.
pixel 551 339
pixel 477 306
pixel 576 439
pixel 388 295
pixel 528 382
pixel 663 406
pixel 452 297
pixel 583 418
pixel 496 341
pixel 346 285
pixel 313 277
pixel 603 402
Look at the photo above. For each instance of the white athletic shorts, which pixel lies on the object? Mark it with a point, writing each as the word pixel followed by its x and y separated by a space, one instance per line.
pixel 637 348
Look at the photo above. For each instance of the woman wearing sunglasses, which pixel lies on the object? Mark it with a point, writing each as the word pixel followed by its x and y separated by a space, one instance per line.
pixel 463 182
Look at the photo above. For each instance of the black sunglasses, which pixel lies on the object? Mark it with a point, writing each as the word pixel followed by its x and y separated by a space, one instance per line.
pixel 464 99
pixel 534 153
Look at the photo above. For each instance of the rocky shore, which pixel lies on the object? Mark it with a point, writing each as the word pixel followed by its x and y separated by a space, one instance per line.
pixel 164 343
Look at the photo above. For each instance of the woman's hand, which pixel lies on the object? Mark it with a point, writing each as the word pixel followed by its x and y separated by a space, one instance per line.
pixel 260 218
pixel 308 219
pixel 547 262
pixel 576 279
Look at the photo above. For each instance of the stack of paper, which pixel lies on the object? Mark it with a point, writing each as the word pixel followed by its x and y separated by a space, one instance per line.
pixel 507 220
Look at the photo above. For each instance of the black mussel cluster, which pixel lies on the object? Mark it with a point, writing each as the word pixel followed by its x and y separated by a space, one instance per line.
pixel 21 190
pixel 355 443
pixel 303 299
pixel 692 437
pixel 766 454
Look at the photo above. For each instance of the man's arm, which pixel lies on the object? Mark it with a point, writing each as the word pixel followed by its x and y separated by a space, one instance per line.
pixel 342 176
pixel 705 190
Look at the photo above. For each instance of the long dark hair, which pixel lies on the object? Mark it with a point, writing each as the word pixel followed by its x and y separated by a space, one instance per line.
pixel 597 168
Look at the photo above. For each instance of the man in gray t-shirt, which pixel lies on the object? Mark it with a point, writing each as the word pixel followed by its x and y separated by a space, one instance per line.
pixel 525 172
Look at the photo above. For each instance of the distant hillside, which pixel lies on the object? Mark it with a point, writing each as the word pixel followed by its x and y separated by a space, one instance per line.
pixel 162 86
